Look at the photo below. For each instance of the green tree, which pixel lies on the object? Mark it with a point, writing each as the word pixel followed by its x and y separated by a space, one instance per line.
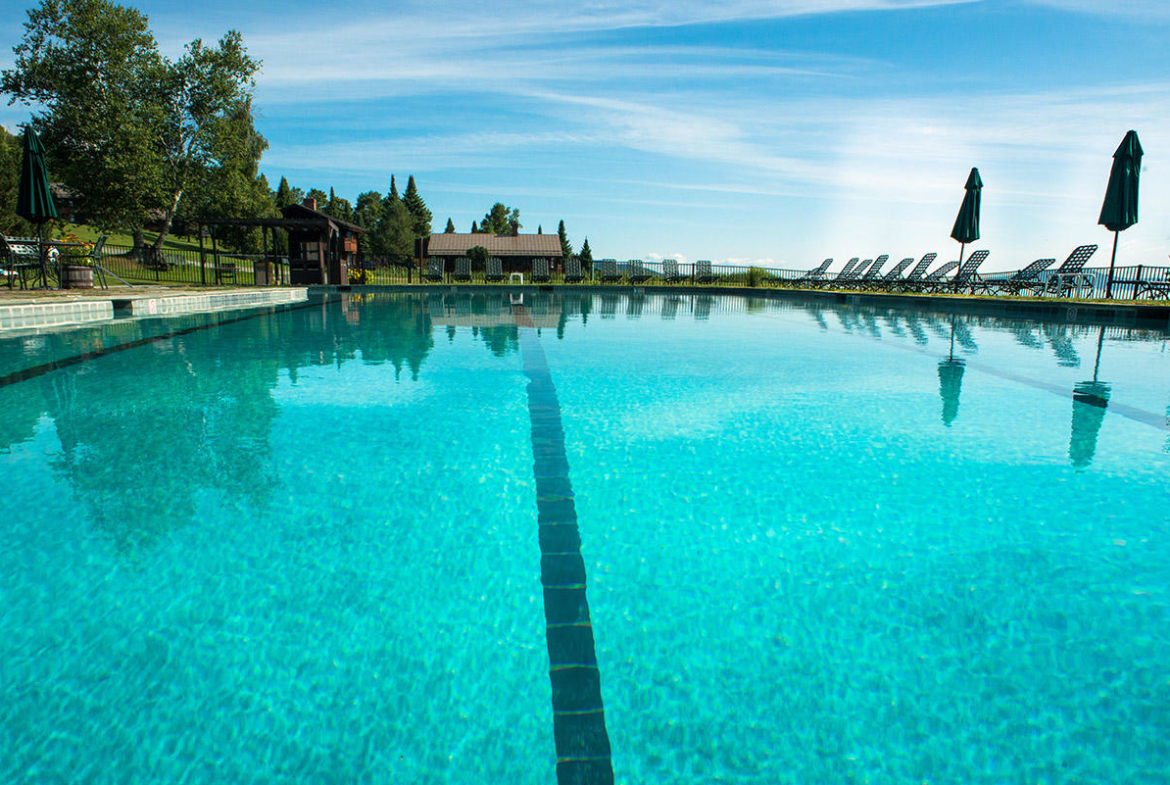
pixel 586 253
pixel 450 227
pixel 286 195
pixel 417 209
pixel 367 214
pixel 501 219
pixel 130 130
pixel 474 228
pixel 539 229
pixel 318 196
pixel 566 247
pixel 393 238
pixel 393 195
pixel 337 207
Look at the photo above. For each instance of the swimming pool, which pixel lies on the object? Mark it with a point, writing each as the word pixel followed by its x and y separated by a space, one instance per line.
pixel 343 541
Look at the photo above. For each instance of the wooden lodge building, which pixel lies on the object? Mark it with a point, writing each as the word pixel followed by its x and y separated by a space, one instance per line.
pixel 515 251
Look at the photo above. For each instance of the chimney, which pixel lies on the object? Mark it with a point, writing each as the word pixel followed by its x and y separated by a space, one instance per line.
pixel 310 202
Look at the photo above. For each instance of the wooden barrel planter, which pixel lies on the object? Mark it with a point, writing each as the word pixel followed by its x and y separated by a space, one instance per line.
pixel 77 276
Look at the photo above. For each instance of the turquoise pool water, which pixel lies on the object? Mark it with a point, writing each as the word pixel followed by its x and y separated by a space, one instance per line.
pixel 821 544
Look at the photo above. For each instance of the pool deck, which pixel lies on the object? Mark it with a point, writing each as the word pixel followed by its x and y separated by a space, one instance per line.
pixel 41 308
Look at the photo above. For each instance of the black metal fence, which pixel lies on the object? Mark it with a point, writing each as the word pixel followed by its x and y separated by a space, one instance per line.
pixel 139 266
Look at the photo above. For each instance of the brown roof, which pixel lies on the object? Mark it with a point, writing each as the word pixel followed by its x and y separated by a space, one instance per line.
pixel 301 211
pixel 454 244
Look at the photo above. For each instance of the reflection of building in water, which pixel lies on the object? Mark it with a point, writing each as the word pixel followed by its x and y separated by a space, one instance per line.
pixel 491 310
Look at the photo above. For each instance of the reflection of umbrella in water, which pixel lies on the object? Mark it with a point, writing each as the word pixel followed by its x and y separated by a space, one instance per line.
pixel 1090 402
pixel 950 383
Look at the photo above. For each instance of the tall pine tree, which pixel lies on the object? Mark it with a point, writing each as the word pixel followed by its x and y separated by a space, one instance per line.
pixel 586 253
pixel 417 209
pixel 393 195
pixel 450 227
pixel 566 248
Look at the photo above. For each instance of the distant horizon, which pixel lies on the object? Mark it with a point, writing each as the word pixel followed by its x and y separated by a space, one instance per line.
pixel 776 134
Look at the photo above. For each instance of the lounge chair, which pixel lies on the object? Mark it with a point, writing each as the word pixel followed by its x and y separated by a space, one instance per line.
pixel 895 274
pixel 573 272
pixel 915 277
pixel 703 272
pixel 609 271
pixel 670 272
pixel 436 270
pixel 540 273
pixel 1157 288
pixel 846 270
pixel 873 274
pixel 1069 276
pixel 967 276
pixel 1029 277
pixel 639 273
pixel 815 275
pixel 932 280
pixel 849 276
pixel 495 270
pixel 462 269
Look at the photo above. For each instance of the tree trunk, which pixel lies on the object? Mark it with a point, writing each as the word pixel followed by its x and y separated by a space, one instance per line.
pixel 170 217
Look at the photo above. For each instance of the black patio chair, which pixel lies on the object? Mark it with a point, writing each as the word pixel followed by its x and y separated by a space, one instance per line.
pixel 1028 277
pixel 1069 276
pixel 703 273
pixel 462 270
pixel 436 270
pixel 540 273
pixel 638 272
pixel 573 272
pixel 670 272
pixel 914 278
pixel 815 275
pixel 494 270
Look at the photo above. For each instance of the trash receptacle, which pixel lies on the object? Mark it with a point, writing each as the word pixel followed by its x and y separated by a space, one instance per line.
pixel 262 273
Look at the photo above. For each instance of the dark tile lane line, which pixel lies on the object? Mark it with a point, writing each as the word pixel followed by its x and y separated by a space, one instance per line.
pixel 582 742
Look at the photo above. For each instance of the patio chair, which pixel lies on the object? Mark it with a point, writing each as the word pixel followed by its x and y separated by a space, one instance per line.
pixel 670 272
pixel 703 272
pixel 609 271
pixel 849 276
pixel 967 276
pixel 540 273
pixel 495 270
pixel 815 275
pixel 933 279
pixel 21 257
pixel 845 271
pixel 573 272
pixel 914 279
pixel 436 270
pixel 639 273
pixel 462 270
pixel 1028 277
pixel 1156 288
pixel 873 274
pixel 1069 276
pixel 895 274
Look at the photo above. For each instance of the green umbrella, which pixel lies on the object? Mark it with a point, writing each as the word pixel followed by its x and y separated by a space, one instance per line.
pixel 34 202
pixel 967 222
pixel 1120 208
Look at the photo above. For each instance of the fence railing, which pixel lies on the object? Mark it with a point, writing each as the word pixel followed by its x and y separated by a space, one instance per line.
pixel 172 266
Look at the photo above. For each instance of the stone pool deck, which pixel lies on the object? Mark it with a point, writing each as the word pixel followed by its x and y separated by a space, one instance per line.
pixel 22 310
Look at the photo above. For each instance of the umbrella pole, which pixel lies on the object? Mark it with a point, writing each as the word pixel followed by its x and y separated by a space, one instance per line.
pixel 1112 260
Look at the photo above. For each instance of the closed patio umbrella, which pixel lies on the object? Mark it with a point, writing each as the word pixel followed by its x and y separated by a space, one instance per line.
pixel 1119 211
pixel 34 201
pixel 966 228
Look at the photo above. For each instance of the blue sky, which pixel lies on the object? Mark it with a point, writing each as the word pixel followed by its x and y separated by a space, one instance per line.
pixel 781 132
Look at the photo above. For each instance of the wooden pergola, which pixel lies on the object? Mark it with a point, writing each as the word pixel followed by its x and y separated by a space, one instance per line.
pixel 321 248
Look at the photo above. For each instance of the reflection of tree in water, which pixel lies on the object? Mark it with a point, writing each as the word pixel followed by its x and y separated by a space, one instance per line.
pixel 22 406
pixel 501 340
pixel 145 433
pixel 148 432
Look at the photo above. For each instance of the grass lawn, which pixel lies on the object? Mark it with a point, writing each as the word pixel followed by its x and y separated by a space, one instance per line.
pixel 89 234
